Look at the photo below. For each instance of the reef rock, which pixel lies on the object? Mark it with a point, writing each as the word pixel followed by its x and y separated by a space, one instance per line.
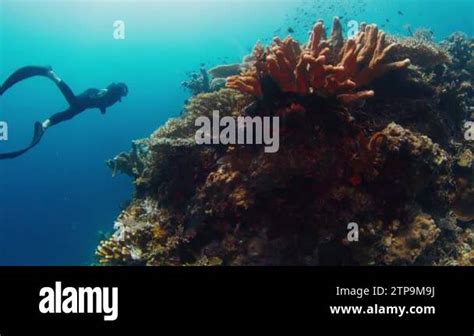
pixel 395 164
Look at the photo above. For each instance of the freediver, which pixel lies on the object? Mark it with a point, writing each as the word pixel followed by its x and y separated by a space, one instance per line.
pixel 91 98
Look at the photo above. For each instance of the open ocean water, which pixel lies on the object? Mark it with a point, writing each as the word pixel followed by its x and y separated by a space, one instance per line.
pixel 56 199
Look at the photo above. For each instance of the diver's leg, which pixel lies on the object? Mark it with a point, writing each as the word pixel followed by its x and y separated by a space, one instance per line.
pixel 24 73
pixel 60 117
pixel 63 87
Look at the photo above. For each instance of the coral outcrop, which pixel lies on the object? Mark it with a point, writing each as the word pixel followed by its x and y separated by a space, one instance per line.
pixel 396 164
pixel 211 80
pixel 328 67
pixel 198 82
pixel 420 49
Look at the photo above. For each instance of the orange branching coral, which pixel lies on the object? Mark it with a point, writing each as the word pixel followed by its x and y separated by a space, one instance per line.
pixel 329 67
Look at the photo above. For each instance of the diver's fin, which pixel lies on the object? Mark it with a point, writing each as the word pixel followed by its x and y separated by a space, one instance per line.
pixel 43 71
pixel 24 73
pixel 37 135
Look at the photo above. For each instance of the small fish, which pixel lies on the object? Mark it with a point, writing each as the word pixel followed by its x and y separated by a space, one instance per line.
pixel 400 13
pixel 291 30
pixel 387 20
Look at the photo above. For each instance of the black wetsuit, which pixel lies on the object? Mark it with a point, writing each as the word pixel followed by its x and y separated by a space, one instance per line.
pixel 91 98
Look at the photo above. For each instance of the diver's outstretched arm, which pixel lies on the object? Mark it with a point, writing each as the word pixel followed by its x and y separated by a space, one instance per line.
pixel 44 71
pixel 37 135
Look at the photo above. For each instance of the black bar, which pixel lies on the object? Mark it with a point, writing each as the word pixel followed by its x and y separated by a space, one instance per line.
pixel 159 298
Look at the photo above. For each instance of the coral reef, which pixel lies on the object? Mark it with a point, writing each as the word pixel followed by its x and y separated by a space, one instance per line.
pixel 225 71
pixel 420 49
pixel 328 67
pixel 198 82
pixel 463 204
pixel 396 164
pixel 463 252
pixel 461 47
pixel 402 244
pixel 141 235
pixel 210 80
pixel 220 74
pixel 456 80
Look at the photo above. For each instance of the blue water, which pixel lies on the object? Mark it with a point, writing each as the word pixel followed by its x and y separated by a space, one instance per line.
pixel 55 199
